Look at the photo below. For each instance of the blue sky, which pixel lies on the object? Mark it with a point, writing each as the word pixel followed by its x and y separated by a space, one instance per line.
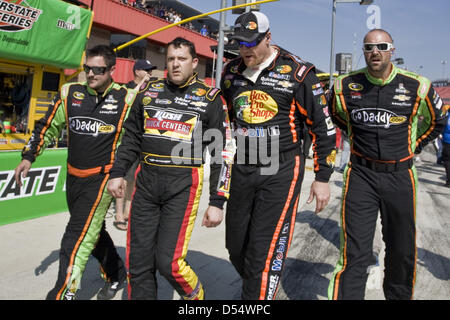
pixel 420 28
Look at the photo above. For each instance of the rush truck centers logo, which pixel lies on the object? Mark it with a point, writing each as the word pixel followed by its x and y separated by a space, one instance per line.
pixel 17 15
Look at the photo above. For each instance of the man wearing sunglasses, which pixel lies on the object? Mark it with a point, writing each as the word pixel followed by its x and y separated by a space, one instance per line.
pixel 271 94
pixel 93 113
pixel 379 108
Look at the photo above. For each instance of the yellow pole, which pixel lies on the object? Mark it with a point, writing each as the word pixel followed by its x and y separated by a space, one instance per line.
pixel 187 20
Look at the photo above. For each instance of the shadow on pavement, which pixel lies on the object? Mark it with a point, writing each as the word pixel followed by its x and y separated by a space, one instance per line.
pixel 436 264
pixel 218 276
pixel 326 227
pixel 303 280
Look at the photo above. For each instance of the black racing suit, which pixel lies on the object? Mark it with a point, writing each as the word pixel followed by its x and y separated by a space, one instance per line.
pixel 94 127
pixel 269 116
pixel 168 129
pixel 387 122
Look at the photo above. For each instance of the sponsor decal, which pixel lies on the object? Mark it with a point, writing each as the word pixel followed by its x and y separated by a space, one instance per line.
pixel 331 158
pixel 78 95
pixel 170 123
pixel 252 25
pixel 355 86
pixel 146 100
pixel 329 123
pixel 316 92
pixel 89 126
pixel 151 94
pixel 76 103
pixel 258 132
pixel 356 95
pixel 109 106
pixel 401 89
pixel 198 103
pixel 110 99
pixel 195 98
pixel 401 97
pixel 273 284
pixel 301 71
pixel 374 117
pixel 158 87
pixel 279 76
pixel 255 106
pixel 163 101
pixel 285 84
pixel 283 69
pixel 199 92
pixel 17 15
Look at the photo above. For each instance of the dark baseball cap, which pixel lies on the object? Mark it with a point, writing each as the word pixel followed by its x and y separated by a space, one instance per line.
pixel 249 26
pixel 143 64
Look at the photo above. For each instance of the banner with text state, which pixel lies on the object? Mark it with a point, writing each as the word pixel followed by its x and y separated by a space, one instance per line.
pixel 43 190
pixel 49 32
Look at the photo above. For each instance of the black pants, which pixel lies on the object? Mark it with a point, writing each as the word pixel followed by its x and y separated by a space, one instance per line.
pixel 162 216
pixel 365 192
pixel 260 222
pixel 88 202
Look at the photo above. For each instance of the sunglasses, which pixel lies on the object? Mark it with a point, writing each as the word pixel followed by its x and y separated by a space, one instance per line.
pixel 382 46
pixel 95 70
pixel 253 43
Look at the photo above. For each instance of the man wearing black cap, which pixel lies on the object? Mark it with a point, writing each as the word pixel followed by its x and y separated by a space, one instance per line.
pixel 272 94
pixel 142 71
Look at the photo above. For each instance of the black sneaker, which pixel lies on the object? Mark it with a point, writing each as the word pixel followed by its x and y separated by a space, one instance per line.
pixel 110 288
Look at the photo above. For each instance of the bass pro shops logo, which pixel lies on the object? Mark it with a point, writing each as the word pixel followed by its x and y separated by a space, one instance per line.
pixel 373 117
pixel 17 15
pixel 255 106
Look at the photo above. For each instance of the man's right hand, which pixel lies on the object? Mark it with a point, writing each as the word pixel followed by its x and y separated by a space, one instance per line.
pixel 22 171
pixel 116 187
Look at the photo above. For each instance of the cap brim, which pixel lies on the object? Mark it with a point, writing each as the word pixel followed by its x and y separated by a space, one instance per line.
pixel 245 37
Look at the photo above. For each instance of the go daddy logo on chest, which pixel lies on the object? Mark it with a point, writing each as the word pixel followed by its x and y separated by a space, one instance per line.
pixel 374 117
pixel 90 126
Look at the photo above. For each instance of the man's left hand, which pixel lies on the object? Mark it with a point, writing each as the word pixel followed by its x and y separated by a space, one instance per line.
pixel 213 217
pixel 321 191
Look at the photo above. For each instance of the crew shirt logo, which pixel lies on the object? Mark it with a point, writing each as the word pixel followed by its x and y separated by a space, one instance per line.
pixel 255 106
pixel 90 126
pixel 373 117
pixel 355 86
pixel 170 123
pixel 283 69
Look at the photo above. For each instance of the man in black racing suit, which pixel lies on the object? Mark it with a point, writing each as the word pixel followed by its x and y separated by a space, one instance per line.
pixel 93 113
pixel 379 108
pixel 169 127
pixel 271 95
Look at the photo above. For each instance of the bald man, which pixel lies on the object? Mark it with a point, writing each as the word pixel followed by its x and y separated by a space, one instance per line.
pixel 379 108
